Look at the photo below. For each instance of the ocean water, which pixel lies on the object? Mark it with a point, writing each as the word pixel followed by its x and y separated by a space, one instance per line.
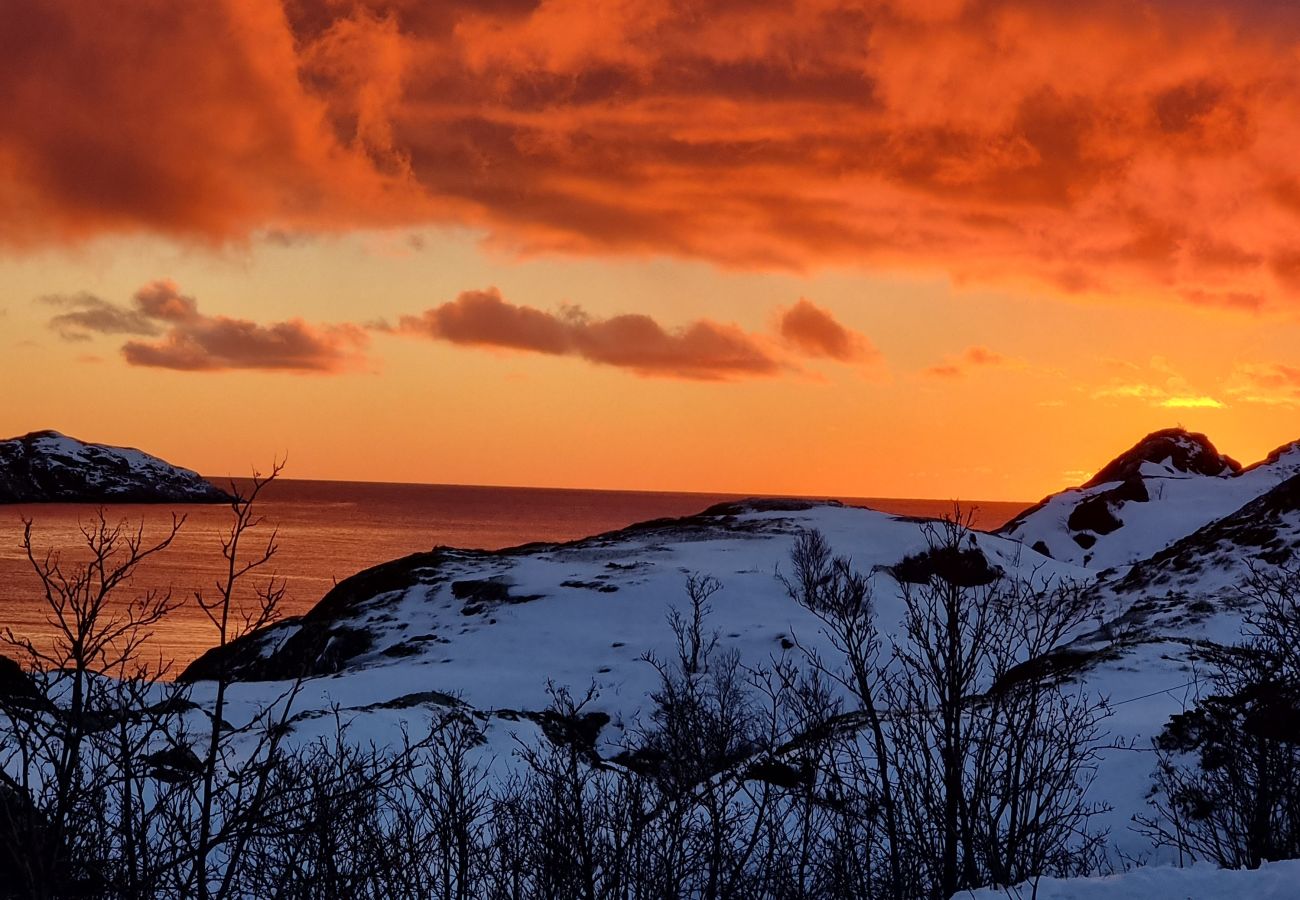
pixel 328 530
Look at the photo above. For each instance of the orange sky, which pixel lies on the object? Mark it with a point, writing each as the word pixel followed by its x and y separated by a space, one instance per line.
pixel 948 249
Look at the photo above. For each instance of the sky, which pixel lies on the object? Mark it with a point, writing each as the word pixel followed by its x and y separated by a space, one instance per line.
pixel 935 248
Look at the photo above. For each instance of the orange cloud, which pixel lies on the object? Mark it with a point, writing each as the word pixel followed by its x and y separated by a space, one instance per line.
pixel 192 341
pixel 1106 147
pixel 1272 384
pixel 216 137
pixel 1158 385
pixel 702 350
pixel 972 358
pixel 813 331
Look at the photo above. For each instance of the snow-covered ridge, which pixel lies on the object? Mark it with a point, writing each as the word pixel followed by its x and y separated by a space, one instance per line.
pixel 490 630
pixel 485 633
pixel 46 466
pixel 493 627
pixel 1168 485
pixel 1271 881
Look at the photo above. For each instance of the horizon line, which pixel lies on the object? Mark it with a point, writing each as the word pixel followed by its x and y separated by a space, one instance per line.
pixel 601 490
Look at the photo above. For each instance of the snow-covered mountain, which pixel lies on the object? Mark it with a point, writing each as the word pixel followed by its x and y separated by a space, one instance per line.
pixel 1165 487
pixel 1180 524
pixel 46 466
pixel 493 627
pixel 489 635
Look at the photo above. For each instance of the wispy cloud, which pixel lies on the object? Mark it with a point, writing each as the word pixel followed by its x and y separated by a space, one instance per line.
pixel 1266 384
pixel 188 340
pixel 87 315
pixel 1201 402
pixel 1159 385
pixel 972 359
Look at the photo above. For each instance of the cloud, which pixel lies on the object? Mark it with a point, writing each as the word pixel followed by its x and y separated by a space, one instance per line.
pixel 1158 385
pixel 1129 149
pixel 1159 397
pixel 977 357
pixel 1233 301
pixel 89 315
pixel 702 350
pixel 1268 384
pixel 1200 402
pixel 191 341
pixel 813 331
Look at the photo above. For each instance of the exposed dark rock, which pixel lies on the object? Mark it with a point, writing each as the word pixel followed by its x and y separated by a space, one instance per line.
pixel 1181 450
pixel 480 592
pixel 600 586
pixel 1041 547
pixel 421 698
pixel 1185 451
pixel 1261 530
pixel 47 467
pixel 1085 540
pixel 317 643
pixel 404 648
pixel 15 684
pixel 765 504
pixel 1131 490
pixel 321 643
pixel 1275 455
pixel 1094 514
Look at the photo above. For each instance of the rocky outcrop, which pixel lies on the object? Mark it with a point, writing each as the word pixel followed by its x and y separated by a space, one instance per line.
pixel 1172 450
pixel 48 467
pixel 1159 490
pixel 1263 532
pixel 325 639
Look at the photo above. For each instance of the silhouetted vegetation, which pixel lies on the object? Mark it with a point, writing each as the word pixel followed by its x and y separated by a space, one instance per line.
pixel 1228 774
pixel 909 769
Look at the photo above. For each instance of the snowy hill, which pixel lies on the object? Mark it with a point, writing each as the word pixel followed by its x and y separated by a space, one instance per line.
pixel 1201 571
pixel 1272 881
pixel 489 636
pixel 490 631
pixel 46 466
pixel 493 627
pixel 1165 487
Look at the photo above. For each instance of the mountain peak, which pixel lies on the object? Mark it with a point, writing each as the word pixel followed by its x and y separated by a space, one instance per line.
pixel 48 466
pixel 1175 450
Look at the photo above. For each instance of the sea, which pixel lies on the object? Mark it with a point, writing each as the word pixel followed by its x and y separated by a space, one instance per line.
pixel 325 531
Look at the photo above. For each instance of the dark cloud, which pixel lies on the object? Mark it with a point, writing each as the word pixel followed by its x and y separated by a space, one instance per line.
pixel 705 350
pixel 1109 147
pixel 977 357
pixel 813 331
pixel 191 341
pixel 702 350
